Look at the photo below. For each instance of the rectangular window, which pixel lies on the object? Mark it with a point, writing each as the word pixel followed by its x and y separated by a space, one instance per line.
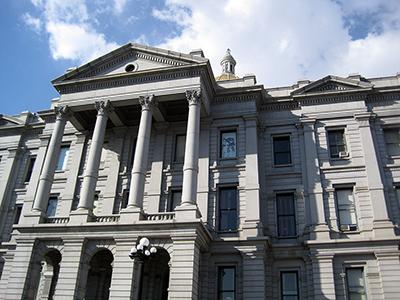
pixel 355 284
pixel 228 147
pixel 337 143
pixel 285 207
pixel 29 168
pixel 18 211
pixel 175 199
pixel 125 199
pixel 52 206
pixel 227 209
pixel 392 140
pixel 226 283
pixel 282 155
pixel 180 142
pixel 289 285
pixel 62 158
pixel 96 202
pixel 346 209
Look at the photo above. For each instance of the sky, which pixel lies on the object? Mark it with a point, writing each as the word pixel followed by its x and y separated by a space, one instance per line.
pixel 280 42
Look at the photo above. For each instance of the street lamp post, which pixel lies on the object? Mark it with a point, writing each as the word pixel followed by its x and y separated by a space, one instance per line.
pixel 140 253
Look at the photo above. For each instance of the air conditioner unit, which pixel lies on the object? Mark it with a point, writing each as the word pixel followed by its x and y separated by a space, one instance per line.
pixel 348 227
pixel 343 154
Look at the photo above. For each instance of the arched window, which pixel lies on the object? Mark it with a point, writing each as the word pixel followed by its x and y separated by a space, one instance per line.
pixel 50 268
pixel 99 276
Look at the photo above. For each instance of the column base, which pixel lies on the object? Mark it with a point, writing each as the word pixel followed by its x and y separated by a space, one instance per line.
pixel 383 229
pixel 319 232
pixel 80 216
pixel 131 215
pixel 187 212
pixel 34 217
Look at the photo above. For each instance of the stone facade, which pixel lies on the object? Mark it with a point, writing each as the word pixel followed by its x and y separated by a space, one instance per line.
pixel 247 192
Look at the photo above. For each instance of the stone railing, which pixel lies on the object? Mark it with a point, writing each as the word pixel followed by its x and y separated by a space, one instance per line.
pixel 162 216
pixel 106 219
pixel 57 220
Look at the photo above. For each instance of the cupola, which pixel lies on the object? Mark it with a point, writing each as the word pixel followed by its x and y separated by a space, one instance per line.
pixel 228 64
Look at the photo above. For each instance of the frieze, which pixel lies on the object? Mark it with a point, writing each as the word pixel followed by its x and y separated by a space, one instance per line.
pixel 292 105
pixel 321 99
pixel 236 98
pixel 105 83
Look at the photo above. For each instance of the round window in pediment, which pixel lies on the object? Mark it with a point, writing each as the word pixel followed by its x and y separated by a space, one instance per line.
pixel 130 68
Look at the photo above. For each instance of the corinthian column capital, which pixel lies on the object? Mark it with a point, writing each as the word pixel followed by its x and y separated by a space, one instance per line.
pixel 62 112
pixel 147 102
pixel 103 107
pixel 193 96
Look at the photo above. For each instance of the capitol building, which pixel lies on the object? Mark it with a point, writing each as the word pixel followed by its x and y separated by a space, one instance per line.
pixel 153 178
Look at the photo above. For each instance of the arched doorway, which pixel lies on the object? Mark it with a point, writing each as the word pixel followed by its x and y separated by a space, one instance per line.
pixel 99 276
pixel 155 279
pixel 50 269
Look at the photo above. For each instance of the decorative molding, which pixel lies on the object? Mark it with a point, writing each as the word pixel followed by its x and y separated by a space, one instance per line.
pixel 275 106
pixel 147 102
pixel 103 107
pixel 124 80
pixel 123 58
pixel 236 98
pixel 323 99
pixel 62 112
pixel 193 96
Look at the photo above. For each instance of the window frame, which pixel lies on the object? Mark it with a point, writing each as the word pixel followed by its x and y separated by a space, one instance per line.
pixel 221 132
pixel 219 281
pixel 281 272
pixel 346 281
pixel 352 227
pixel 18 213
pixel 55 197
pixel 65 160
pixel 294 215
pixel 329 131
pixel 175 160
pixel 394 128
pixel 219 210
pixel 273 137
pixel 29 168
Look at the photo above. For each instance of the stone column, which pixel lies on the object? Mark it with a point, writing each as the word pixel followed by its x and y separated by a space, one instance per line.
pixel 382 226
pixel 134 210
pixel 323 279
pixel 314 191
pixel 50 162
pixel 188 208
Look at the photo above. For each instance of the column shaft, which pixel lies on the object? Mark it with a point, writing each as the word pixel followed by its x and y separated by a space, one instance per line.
pixel 93 161
pixel 139 168
pixel 50 162
pixel 190 166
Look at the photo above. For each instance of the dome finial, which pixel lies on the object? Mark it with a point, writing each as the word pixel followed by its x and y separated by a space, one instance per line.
pixel 228 64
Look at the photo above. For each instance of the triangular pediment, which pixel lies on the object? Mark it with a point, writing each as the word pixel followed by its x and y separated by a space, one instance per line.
pixel 129 59
pixel 331 84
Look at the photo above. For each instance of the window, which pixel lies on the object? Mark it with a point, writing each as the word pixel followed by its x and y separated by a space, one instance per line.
pixel 346 209
pixel 18 211
pixel 289 285
pixel 337 143
pixel 62 158
pixel 226 283
pixel 282 155
pixel 227 209
pixel 285 207
pixel 392 140
pixel 96 202
pixel 180 141
pixel 175 199
pixel 125 199
pixel 228 144
pixel 355 284
pixel 52 206
pixel 29 168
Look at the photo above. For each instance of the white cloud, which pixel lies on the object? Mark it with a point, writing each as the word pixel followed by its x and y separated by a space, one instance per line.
pixel 283 41
pixel 71 33
pixel 34 23
pixel 119 6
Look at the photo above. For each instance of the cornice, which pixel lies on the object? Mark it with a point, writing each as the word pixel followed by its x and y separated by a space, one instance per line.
pixel 103 82
pixel 237 98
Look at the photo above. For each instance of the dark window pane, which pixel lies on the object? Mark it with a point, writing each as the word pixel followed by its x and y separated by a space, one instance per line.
pixel 282 153
pixel 175 200
pixel 31 163
pixel 289 285
pixel 180 148
pixel 62 158
pixel 286 215
pixel 18 212
pixel 227 209
pixel 228 144
pixel 228 198
pixel 285 204
pixel 337 142
pixel 52 207
pixel 226 283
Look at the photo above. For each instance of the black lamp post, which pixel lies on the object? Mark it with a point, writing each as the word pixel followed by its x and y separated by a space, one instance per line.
pixel 140 253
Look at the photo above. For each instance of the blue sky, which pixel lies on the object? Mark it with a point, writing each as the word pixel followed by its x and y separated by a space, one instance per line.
pixel 279 41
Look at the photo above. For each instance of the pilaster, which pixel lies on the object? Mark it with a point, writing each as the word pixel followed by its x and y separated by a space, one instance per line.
pixel 323 279
pixel 383 227
pixel 389 267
